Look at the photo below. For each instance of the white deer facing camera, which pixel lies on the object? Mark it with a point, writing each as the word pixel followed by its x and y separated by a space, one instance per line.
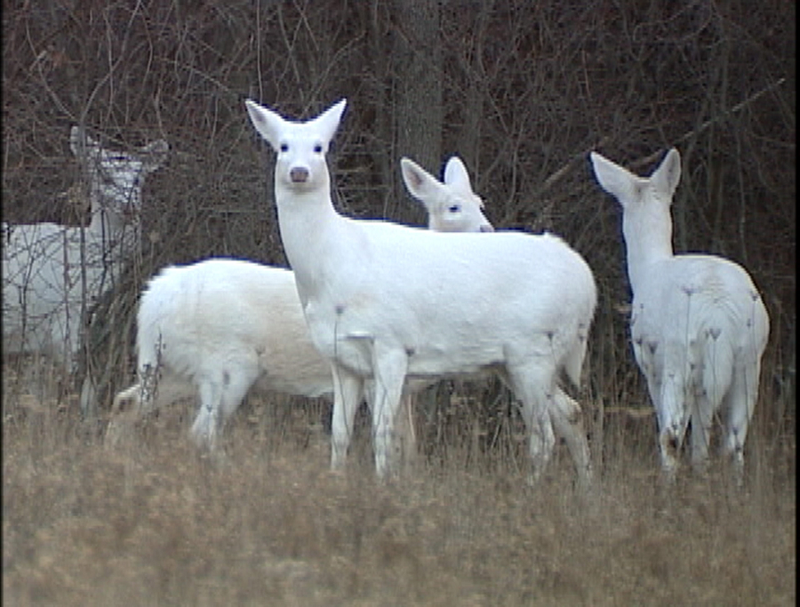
pixel 386 302
pixel 44 266
pixel 218 328
pixel 698 324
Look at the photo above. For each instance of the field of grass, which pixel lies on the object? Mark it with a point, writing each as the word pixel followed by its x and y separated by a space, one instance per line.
pixel 151 522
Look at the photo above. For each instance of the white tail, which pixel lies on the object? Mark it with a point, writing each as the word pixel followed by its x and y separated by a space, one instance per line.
pixel 698 324
pixel 386 301
pixel 43 263
pixel 218 327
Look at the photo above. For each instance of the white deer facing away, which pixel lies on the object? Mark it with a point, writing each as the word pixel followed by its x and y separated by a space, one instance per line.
pixel 44 266
pixel 698 324
pixel 385 301
pixel 219 327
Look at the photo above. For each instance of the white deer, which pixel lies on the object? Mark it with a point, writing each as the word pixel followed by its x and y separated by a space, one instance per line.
pixel 698 324
pixel 48 275
pixel 423 186
pixel 219 327
pixel 453 206
pixel 385 301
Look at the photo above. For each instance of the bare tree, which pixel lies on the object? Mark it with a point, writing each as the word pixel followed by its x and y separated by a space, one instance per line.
pixel 417 84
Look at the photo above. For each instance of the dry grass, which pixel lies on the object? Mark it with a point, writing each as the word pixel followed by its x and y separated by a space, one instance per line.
pixel 152 523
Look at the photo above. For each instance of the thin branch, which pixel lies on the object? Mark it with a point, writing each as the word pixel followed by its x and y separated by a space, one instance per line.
pixel 656 155
pixel 581 156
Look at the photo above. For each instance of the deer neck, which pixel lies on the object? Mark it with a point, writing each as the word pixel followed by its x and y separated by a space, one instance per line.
pixel 110 229
pixel 104 222
pixel 643 254
pixel 308 223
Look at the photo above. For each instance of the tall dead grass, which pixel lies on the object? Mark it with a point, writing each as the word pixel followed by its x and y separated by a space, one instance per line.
pixel 151 522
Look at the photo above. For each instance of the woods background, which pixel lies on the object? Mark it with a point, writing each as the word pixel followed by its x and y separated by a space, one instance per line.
pixel 522 91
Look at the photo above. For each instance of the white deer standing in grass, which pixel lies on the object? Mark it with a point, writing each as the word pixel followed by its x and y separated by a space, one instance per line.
pixel 219 327
pixel 698 324
pixel 385 301
pixel 48 275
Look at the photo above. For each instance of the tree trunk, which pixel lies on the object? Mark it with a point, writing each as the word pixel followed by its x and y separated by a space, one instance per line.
pixel 418 97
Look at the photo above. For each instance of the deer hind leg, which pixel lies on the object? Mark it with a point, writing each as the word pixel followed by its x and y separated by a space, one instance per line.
pixel 140 399
pixel 740 403
pixel 567 419
pixel 673 418
pixel 221 393
pixel 534 386
pixel 206 423
pixel 120 422
pixel 235 385
pixel 710 373
pixel 701 418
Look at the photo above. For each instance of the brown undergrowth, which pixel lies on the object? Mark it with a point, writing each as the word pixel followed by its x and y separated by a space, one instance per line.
pixel 152 522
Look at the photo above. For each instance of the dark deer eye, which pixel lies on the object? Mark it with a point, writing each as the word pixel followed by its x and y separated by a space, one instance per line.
pixel 284 147
pixel 454 208
pixel 318 149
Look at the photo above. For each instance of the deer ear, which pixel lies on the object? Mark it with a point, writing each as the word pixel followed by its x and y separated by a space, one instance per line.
pixel 329 120
pixel 616 180
pixel 269 124
pixel 668 174
pixel 81 145
pixel 455 173
pixel 418 181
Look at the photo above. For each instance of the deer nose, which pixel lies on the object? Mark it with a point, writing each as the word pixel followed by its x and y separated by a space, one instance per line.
pixel 298 175
pixel 487 228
